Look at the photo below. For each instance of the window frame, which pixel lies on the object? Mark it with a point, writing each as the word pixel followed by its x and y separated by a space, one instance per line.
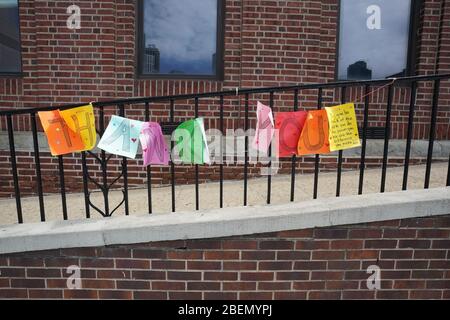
pixel 413 37
pixel 220 37
pixel 17 74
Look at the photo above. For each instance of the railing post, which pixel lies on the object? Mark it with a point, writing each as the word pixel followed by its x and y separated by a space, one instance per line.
pixel 12 153
pixel 432 136
pixel 149 168
pixel 364 140
pixel 269 169
pixel 294 158
pixel 197 198
pixel 37 162
pixel 340 152
pixel 221 152
pixel 448 172
pixel 104 166
pixel 246 150
pixel 172 164
pixel 125 170
pixel 317 157
pixel 412 106
pixel 387 133
pixel 62 186
pixel 86 185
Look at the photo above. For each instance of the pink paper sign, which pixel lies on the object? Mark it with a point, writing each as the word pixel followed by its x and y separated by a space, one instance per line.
pixel 264 128
pixel 154 148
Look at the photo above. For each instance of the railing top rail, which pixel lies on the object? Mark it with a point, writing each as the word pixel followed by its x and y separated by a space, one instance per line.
pixel 167 98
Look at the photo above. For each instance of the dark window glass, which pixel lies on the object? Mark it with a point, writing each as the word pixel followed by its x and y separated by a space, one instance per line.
pixel 10 57
pixel 179 37
pixel 374 39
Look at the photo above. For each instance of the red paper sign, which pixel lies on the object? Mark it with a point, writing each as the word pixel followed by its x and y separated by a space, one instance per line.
pixel 289 126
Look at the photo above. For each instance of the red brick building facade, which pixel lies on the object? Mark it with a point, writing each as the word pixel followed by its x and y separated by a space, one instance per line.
pixel 266 43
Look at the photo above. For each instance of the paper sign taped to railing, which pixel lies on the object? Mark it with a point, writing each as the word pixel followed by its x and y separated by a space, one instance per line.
pixel 154 148
pixel 61 138
pixel 81 120
pixel 314 137
pixel 264 128
pixel 121 137
pixel 191 145
pixel 290 126
pixel 343 127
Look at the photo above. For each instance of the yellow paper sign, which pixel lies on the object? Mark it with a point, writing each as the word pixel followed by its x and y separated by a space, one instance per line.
pixel 81 120
pixel 343 127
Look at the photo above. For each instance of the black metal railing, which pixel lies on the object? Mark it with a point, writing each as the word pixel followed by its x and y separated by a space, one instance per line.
pixel 102 158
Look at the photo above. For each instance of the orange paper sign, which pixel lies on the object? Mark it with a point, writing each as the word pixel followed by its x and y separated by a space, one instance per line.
pixel 290 126
pixel 61 138
pixel 314 138
pixel 82 121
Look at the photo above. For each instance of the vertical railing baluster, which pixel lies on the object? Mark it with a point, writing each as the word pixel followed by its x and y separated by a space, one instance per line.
pixel 269 169
pixel 246 150
pixel 197 200
pixel 448 172
pixel 85 185
pixel 432 136
pixel 412 106
pixel 62 186
pixel 339 164
pixel 104 165
pixel 387 133
pixel 37 162
pixel 149 167
pixel 222 137
pixel 172 164
pixel 125 170
pixel 294 158
pixel 12 153
pixel 317 159
pixel 362 164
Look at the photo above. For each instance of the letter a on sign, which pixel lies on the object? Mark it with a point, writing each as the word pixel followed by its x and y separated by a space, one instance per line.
pixel 121 137
pixel 314 138
pixel 61 138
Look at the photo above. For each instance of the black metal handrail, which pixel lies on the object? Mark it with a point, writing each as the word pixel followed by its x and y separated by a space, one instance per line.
pixel 231 93
pixel 104 186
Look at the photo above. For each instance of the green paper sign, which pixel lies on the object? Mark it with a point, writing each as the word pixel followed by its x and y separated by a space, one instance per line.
pixel 191 144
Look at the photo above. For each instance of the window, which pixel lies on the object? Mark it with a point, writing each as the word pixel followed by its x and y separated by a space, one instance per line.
pixel 10 57
pixel 376 38
pixel 180 39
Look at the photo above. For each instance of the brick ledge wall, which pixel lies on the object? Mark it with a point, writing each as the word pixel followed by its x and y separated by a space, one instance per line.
pixel 316 263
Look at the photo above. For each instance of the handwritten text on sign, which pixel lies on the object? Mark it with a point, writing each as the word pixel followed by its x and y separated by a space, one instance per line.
pixel 343 127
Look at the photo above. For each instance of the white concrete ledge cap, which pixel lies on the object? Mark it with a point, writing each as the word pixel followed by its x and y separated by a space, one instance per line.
pixel 224 222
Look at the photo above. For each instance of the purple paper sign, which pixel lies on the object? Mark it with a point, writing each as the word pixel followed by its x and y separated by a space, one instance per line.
pixel 154 148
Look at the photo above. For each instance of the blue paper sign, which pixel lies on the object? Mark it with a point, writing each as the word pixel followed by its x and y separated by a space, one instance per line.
pixel 121 137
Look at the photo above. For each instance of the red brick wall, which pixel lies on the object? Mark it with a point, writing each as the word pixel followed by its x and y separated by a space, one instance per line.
pixel 267 43
pixel 320 263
